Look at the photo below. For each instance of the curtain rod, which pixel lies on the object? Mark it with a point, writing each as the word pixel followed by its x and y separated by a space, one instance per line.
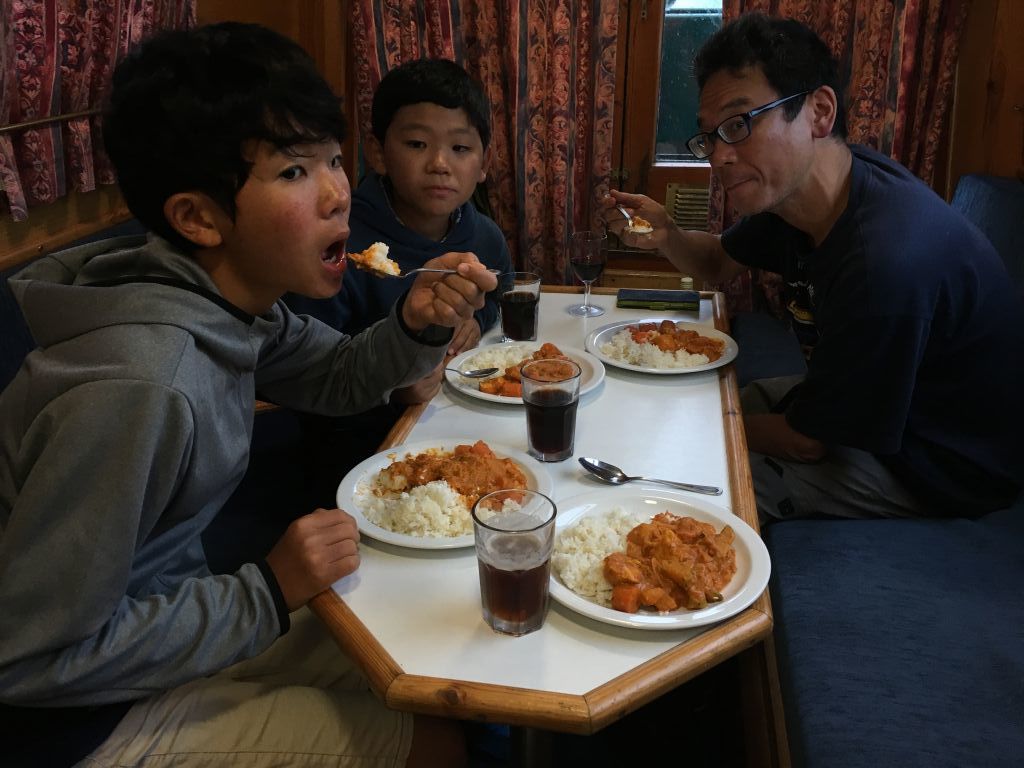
pixel 45 120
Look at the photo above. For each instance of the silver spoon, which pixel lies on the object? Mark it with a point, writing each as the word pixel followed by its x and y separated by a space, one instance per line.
pixel 479 373
pixel 609 473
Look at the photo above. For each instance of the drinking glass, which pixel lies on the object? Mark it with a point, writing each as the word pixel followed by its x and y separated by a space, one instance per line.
pixel 551 393
pixel 588 253
pixel 519 299
pixel 514 531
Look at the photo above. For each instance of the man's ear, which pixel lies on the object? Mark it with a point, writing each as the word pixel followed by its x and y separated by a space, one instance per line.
pixel 374 152
pixel 195 216
pixel 824 106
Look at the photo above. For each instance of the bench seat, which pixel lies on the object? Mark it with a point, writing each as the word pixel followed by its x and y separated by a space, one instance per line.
pixel 901 642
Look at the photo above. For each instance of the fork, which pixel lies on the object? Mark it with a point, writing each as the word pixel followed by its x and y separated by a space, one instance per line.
pixel 629 219
pixel 429 269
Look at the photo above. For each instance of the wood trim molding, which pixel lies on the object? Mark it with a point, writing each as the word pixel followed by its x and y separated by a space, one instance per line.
pixel 51 227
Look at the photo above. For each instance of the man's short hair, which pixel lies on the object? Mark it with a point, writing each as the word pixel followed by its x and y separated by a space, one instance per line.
pixel 185 103
pixel 792 57
pixel 436 81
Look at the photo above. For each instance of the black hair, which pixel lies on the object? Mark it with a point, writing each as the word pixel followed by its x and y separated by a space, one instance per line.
pixel 185 104
pixel 792 57
pixel 437 81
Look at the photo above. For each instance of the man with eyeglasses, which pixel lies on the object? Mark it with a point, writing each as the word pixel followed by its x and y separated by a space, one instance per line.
pixel 908 406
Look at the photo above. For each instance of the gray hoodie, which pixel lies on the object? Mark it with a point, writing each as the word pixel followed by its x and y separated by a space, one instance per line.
pixel 121 437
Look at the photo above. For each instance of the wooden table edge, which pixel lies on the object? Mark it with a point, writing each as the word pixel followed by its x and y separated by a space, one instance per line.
pixel 565 712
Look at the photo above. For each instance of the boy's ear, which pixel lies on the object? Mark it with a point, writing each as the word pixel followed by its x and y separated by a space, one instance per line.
pixel 374 152
pixel 485 164
pixel 196 217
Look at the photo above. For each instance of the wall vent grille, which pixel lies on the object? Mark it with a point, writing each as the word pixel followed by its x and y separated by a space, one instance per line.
pixel 688 206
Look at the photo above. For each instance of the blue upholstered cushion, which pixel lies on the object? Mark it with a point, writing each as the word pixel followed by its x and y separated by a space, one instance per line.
pixel 995 205
pixel 901 642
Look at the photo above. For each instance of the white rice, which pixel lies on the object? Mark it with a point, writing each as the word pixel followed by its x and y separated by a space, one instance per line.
pixel 622 347
pixel 580 550
pixel 497 356
pixel 433 509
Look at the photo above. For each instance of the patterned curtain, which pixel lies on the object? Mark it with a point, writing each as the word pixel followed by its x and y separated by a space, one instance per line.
pixel 898 61
pixel 56 57
pixel 548 67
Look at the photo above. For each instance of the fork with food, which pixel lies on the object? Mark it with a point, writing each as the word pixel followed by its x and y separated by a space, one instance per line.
pixel 375 259
pixel 636 215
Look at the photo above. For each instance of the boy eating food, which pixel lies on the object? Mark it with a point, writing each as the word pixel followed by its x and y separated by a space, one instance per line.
pixel 125 432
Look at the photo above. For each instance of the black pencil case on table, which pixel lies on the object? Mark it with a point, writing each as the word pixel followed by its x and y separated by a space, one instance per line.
pixel 655 298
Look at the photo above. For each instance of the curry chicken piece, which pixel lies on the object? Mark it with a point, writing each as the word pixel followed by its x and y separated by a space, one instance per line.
pixel 510 384
pixel 471 470
pixel 669 562
pixel 670 337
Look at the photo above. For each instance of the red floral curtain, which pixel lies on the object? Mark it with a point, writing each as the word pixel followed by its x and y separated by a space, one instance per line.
pixel 899 63
pixel 549 70
pixel 56 58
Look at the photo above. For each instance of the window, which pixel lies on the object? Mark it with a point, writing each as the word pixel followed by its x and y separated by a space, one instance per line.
pixel 656 112
pixel 687 25
pixel 657 105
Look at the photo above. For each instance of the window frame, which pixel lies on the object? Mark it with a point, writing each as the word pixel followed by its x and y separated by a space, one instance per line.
pixel 638 69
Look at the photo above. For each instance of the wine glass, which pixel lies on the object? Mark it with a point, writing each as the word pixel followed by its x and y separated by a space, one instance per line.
pixel 588 253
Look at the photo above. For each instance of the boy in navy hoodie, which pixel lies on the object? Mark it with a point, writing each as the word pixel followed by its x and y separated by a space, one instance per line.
pixel 428 151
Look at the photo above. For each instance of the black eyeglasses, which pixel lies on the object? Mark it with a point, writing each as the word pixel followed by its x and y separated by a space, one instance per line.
pixel 731 130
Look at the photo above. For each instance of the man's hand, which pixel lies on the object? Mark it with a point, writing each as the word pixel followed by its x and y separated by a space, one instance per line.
pixel 645 208
pixel 315 551
pixel 467 336
pixel 770 434
pixel 694 253
pixel 447 299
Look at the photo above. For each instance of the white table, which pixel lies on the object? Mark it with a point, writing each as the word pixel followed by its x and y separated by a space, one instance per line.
pixel 412 618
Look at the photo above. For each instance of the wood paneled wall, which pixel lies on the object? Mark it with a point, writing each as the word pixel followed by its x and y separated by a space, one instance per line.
pixel 319 26
pixel 987 127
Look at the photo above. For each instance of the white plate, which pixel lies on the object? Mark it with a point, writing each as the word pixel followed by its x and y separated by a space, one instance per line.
pixel 753 566
pixel 604 334
pixel 591 369
pixel 537 478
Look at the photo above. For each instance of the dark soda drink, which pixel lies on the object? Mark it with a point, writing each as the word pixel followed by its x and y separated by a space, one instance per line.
pixel 513 585
pixel 551 423
pixel 519 315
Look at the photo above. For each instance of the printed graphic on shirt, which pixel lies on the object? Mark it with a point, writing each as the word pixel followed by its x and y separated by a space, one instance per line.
pixel 800 304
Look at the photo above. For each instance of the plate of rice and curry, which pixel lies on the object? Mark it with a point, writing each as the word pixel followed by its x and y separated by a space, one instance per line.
pixel 658 345
pixel 657 560
pixel 508 357
pixel 420 495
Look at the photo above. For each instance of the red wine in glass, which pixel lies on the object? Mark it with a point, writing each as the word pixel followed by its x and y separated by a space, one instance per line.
pixel 588 253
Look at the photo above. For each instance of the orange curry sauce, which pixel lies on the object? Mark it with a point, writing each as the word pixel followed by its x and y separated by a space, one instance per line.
pixel 670 562
pixel 510 383
pixel 471 470
pixel 669 337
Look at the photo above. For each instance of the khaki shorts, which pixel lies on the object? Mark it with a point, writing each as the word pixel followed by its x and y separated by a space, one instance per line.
pixel 300 703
